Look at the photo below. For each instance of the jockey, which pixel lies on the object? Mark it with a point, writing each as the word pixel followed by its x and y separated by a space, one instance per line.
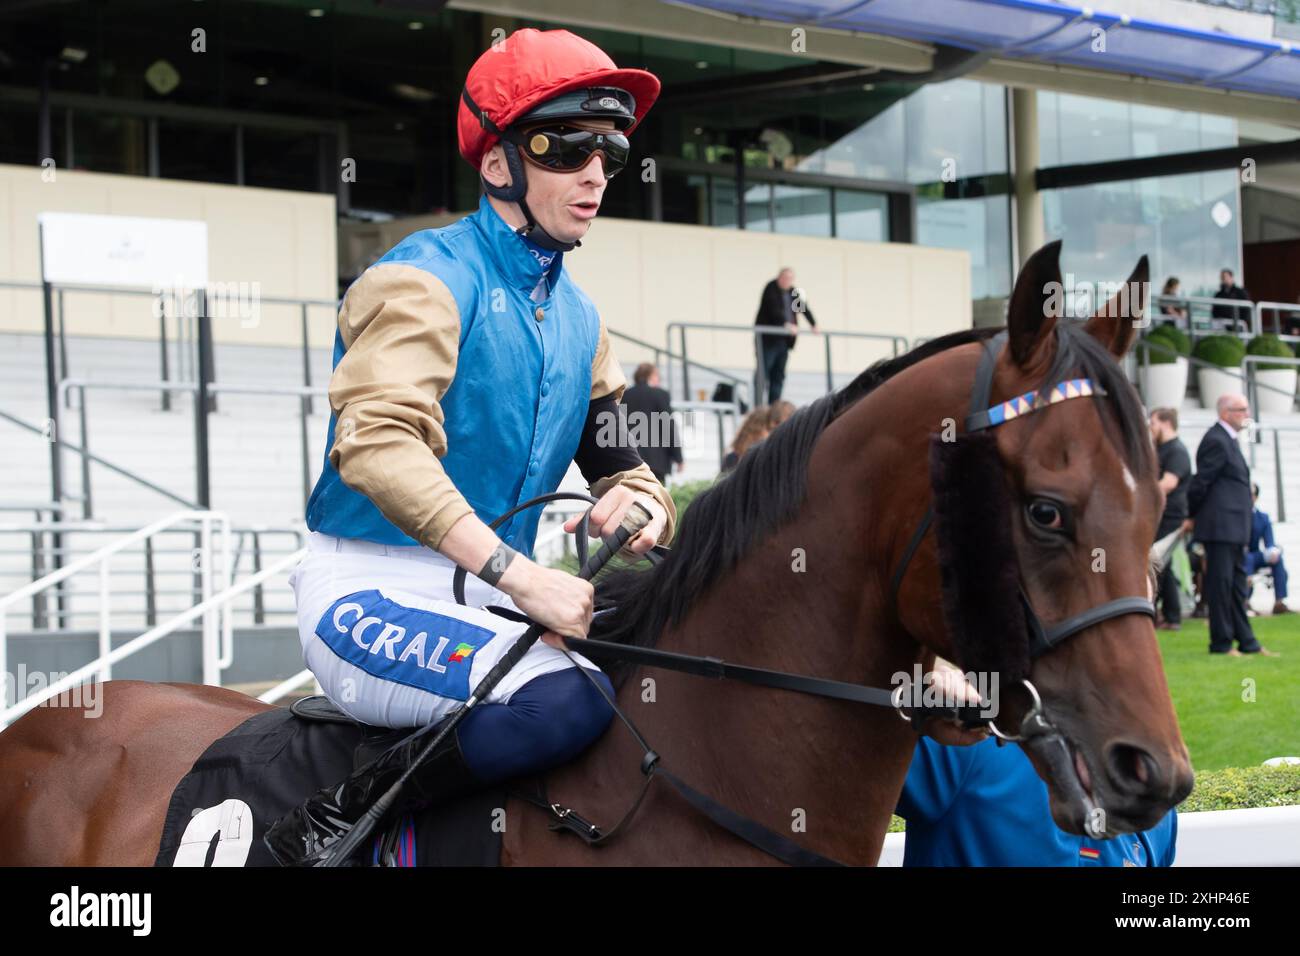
pixel 469 371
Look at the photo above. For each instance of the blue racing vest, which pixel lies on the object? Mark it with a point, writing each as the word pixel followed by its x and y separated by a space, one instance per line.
pixel 515 410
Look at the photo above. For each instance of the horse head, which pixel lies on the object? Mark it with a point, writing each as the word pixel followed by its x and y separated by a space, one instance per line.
pixel 1046 524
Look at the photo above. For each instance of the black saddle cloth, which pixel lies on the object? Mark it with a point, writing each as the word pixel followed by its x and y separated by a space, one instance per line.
pixel 270 763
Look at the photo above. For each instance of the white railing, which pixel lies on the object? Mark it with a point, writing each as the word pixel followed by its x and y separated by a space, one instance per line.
pixel 216 591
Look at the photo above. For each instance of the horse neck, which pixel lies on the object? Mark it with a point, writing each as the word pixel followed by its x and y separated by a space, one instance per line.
pixel 812 599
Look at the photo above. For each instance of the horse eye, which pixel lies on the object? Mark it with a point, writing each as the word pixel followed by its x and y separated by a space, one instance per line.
pixel 1046 514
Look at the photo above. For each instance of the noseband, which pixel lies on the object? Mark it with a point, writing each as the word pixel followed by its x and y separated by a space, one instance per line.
pixel 1041 638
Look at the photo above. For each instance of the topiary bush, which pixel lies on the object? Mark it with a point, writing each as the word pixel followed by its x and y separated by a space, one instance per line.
pixel 1225 351
pixel 1270 344
pixel 1168 337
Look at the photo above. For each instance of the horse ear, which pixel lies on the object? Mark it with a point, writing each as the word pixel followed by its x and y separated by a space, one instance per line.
pixel 1037 301
pixel 1115 324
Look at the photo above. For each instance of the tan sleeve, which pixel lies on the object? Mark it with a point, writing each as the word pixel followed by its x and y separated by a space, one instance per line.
pixel 607 376
pixel 401 327
pixel 641 479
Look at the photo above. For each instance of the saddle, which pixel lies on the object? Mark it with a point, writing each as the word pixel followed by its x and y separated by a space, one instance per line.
pixel 273 761
pixel 373 740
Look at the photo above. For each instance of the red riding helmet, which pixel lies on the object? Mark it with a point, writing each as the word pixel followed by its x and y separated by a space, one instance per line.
pixel 529 67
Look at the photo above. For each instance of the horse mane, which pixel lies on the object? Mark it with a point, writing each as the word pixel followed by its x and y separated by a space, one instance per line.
pixel 769 484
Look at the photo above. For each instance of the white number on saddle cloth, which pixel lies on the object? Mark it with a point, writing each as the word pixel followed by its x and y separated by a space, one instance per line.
pixel 231 822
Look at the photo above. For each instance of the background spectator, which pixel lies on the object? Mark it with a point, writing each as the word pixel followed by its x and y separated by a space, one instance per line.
pixel 751 431
pixel 1218 500
pixel 1175 475
pixel 984 805
pixel 1269 555
pixel 1228 289
pixel 1174 314
pixel 780 305
pixel 778 412
pixel 654 406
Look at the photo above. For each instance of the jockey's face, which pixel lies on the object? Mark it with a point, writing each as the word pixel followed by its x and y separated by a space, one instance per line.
pixel 564 203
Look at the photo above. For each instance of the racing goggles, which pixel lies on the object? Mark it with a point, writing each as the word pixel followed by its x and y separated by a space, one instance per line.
pixel 564 148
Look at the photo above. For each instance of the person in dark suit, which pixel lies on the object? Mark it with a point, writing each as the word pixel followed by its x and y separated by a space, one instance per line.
pixel 1228 289
pixel 1175 475
pixel 1218 502
pixel 781 305
pixel 1263 552
pixel 651 423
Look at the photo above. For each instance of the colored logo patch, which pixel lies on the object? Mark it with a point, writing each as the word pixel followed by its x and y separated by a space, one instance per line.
pixel 407 645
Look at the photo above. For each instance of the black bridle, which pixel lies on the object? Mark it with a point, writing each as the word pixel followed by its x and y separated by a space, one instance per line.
pixel 1041 639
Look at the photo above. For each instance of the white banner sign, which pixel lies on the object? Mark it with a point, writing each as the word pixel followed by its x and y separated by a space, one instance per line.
pixel 128 251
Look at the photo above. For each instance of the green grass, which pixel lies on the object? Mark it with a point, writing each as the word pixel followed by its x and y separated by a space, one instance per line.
pixel 1220 727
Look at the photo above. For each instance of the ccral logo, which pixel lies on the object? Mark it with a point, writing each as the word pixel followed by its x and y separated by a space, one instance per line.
pixel 75 908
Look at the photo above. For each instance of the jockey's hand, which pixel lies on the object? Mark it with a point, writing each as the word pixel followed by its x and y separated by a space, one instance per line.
pixel 607 514
pixel 954 687
pixel 560 601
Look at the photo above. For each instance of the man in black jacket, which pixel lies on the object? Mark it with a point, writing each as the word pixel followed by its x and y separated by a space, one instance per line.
pixel 1175 475
pixel 650 422
pixel 781 305
pixel 1228 289
pixel 1219 503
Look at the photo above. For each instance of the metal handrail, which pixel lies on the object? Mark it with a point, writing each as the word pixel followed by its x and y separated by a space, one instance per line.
pixel 658 350
pixel 1238 307
pixel 1262 307
pixel 760 330
pixel 1246 373
pixel 1253 384
pixel 217 639
pixel 221 659
pixel 81 385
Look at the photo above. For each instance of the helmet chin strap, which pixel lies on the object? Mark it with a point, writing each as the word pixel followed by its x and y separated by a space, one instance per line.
pixel 514 193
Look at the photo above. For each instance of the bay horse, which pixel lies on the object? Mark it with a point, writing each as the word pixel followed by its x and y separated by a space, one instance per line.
pixel 786 564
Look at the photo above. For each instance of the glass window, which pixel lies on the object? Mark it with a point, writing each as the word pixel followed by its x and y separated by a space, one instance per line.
pixel 981 227
pixel 1188 225
pixel 802 210
pixel 278 160
pixel 685 197
pixel 862 216
pixel 193 151
pixel 107 143
pixel 722 201
pixel 758 208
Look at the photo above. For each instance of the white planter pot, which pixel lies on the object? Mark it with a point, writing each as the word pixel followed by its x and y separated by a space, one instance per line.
pixel 1214 382
pixel 1163 386
pixel 1276 403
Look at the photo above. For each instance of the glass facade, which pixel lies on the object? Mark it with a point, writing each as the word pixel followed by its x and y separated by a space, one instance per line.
pixel 1189 225
pixel 379 85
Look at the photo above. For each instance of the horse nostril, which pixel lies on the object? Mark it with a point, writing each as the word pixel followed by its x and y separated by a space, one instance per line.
pixel 1133 769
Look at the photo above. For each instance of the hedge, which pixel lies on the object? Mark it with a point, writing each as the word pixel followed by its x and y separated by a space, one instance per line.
pixel 1225 351
pixel 1270 344
pixel 1171 337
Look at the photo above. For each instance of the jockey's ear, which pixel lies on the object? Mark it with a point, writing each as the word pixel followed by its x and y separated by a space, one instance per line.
pixel 1037 301
pixel 493 166
pixel 1115 324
